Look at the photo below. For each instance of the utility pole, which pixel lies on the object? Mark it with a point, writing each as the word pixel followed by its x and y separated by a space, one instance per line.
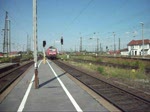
pixel 35 43
pixel 28 44
pixel 97 45
pixel 114 43
pixel 100 49
pixel 119 45
pixel 142 39
pixel 80 44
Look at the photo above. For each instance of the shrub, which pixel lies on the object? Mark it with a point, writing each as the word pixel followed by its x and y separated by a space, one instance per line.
pixel 100 69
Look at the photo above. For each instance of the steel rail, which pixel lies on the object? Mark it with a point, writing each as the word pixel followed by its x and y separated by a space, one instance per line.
pixel 125 100
pixel 9 77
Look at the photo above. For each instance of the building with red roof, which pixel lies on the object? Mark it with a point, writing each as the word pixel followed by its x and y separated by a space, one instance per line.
pixel 136 48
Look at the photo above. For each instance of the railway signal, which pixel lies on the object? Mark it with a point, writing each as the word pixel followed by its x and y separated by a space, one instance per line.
pixel 44 44
pixel 61 40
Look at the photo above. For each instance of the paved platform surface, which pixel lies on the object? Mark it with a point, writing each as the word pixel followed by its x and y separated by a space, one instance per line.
pixel 56 92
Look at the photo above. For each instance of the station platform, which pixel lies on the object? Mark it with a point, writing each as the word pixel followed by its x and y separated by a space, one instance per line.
pixel 56 92
pixel 3 65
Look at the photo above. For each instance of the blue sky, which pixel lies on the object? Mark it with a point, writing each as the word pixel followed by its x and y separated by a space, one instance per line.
pixel 75 18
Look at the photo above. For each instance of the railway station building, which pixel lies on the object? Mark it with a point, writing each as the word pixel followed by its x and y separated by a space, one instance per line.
pixel 135 47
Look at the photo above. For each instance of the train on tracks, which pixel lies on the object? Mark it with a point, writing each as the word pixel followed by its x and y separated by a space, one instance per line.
pixel 51 52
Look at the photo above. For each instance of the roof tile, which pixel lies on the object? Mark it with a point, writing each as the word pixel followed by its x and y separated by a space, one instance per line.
pixel 138 42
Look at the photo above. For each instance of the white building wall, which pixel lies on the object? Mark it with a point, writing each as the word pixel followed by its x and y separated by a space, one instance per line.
pixel 137 50
pixel 149 51
pixel 146 46
pixel 129 48
pixel 124 53
pixel 136 46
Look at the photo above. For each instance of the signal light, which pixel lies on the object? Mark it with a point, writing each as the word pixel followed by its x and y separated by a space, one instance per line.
pixel 61 40
pixel 44 43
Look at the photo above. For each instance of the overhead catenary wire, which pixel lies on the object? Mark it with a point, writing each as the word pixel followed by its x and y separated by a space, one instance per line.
pixel 125 20
pixel 78 15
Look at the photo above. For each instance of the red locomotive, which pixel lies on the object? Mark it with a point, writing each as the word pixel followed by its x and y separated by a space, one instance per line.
pixel 51 53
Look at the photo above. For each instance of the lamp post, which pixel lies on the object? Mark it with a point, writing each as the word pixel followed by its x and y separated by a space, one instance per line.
pixel 142 39
pixel 114 43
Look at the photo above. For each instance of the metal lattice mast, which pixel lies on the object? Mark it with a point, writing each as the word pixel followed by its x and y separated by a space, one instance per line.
pixel 9 36
pixel 5 43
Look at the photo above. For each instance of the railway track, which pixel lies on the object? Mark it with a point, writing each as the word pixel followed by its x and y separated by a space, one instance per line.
pixel 7 66
pixel 125 100
pixel 7 78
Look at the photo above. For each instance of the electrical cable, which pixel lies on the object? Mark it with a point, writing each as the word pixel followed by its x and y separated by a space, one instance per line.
pixel 79 14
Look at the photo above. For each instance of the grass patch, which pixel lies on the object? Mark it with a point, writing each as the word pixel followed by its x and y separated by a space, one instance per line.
pixel 63 57
pixel 130 77
pixel 122 73
pixel 128 62
pixel 109 72
pixel 100 69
